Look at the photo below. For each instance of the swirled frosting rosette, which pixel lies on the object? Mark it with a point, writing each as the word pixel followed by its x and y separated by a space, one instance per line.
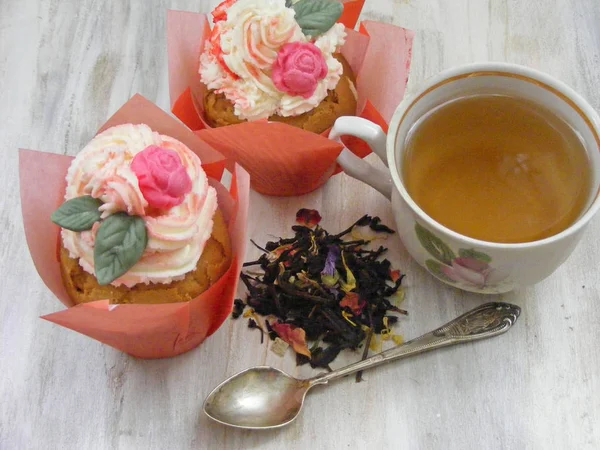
pixel 133 170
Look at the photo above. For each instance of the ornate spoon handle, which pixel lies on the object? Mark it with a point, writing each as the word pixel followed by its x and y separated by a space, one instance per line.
pixel 482 322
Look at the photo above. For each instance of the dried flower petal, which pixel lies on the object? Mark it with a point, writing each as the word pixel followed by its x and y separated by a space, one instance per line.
pixel 348 317
pixel 350 283
pixel 365 234
pixel 295 336
pixel 274 255
pixel 308 217
pixel 375 345
pixel 333 255
pixel 330 281
pixel 279 346
pixel 303 281
pixel 314 247
pixel 397 298
pixel 398 340
pixel 353 301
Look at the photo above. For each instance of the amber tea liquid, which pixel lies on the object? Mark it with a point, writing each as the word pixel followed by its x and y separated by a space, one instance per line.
pixel 497 168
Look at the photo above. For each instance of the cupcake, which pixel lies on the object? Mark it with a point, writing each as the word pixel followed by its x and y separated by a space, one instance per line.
pixel 278 60
pixel 140 223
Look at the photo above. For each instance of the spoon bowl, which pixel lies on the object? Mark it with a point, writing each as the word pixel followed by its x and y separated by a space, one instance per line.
pixel 261 397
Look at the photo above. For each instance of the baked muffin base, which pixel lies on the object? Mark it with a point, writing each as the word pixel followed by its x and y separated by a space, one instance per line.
pixel 83 287
pixel 219 112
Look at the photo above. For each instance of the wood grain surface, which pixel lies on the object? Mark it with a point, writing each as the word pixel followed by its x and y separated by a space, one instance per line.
pixel 67 65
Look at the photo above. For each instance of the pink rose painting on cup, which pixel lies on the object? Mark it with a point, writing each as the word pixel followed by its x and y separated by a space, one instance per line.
pixel 471 268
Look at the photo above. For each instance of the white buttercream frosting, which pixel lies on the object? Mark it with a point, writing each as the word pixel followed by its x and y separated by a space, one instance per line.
pixel 249 40
pixel 176 237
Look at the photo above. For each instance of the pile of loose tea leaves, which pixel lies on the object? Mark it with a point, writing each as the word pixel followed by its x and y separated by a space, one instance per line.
pixel 327 289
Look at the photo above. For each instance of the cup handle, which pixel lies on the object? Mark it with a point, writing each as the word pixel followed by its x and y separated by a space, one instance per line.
pixel 356 167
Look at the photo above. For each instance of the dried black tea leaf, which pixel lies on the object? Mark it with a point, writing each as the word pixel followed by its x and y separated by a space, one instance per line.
pixel 238 308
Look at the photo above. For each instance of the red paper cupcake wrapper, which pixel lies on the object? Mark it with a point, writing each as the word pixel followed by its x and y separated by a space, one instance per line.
pixel 145 331
pixel 282 160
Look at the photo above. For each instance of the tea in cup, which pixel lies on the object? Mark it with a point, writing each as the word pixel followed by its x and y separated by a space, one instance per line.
pixel 494 172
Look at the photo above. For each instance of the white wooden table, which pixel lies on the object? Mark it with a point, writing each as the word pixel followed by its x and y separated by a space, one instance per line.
pixel 67 65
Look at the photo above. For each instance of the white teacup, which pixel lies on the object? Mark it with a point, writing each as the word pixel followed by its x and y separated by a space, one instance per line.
pixel 461 261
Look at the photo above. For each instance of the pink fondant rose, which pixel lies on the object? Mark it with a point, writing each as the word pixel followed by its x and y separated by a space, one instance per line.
pixel 162 178
pixel 299 68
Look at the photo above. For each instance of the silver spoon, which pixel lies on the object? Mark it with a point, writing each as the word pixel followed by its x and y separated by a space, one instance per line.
pixel 264 397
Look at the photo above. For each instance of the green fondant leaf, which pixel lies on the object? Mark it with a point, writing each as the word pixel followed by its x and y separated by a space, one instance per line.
pixel 474 254
pixel 119 245
pixel 435 267
pixel 289 3
pixel 315 17
pixel 78 214
pixel 434 245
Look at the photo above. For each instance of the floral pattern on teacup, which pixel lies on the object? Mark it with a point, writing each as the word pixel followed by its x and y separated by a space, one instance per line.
pixel 470 269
